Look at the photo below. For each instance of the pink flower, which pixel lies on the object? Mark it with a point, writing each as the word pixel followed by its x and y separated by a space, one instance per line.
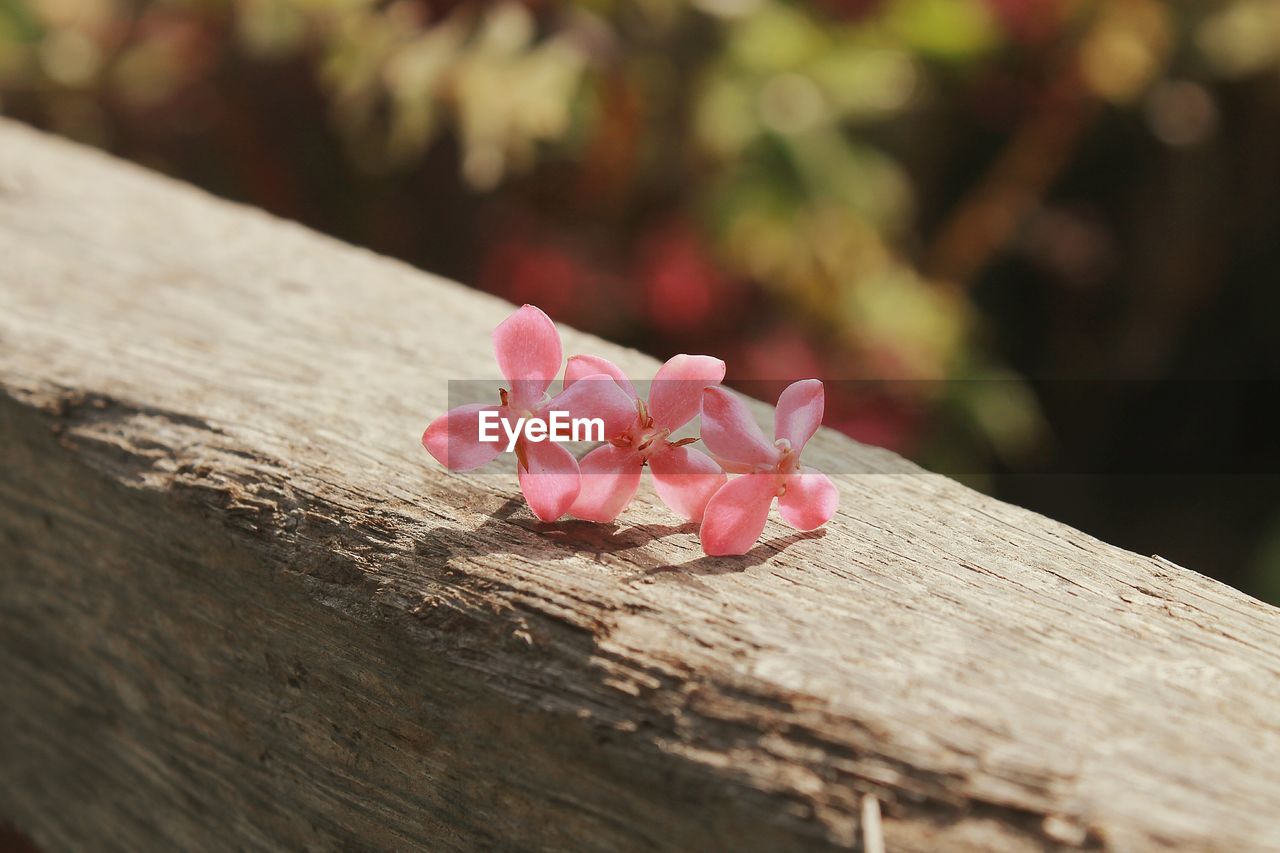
pixel 528 350
pixel 685 478
pixel 736 515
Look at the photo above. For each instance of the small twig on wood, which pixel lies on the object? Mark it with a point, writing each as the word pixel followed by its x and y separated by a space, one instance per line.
pixel 872 832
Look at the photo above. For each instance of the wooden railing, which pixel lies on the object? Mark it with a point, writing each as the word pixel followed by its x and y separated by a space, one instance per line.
pixel 241 608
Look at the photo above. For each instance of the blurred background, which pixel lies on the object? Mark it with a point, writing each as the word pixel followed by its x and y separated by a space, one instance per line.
pixel 1034 244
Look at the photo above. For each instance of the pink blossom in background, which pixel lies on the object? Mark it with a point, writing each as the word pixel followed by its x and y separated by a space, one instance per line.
pixel 777 352
pixel 684 477
pixel 736 514
pixel 524 269
pixel 683 287
pixel 528 351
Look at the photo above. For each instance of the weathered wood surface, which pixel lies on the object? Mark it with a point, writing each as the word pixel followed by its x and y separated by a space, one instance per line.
pixel 240 607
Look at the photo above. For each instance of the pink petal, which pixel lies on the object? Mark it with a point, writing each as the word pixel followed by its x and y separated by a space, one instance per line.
pixel 810 500
pixel 736 514
pixel 582 366
pixel 732 436
pixel 527 346
pixel 676 393
pixel 551 483
pixel 454 438
pixel 597 396
pixel 799 412
pixel 610 476
pixel 686 479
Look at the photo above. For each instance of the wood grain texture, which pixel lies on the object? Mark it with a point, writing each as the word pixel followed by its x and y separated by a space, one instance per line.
pixel 240 607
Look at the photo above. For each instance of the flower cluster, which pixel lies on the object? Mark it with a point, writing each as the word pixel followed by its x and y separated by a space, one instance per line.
pixel 639 433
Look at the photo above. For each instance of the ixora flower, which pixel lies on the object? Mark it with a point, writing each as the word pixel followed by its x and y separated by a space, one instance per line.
pixel 685 478
pixel 736 515
pixel 527 347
